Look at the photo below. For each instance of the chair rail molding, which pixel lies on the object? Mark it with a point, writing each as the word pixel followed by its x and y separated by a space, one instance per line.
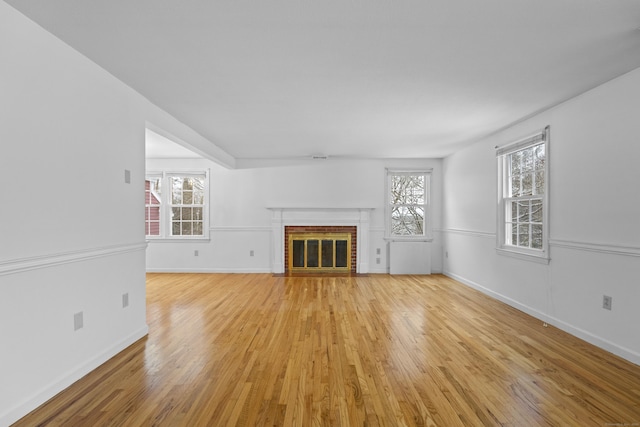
pixel 44 261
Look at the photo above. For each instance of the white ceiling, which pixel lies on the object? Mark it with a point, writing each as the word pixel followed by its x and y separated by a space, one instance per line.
pixel 360 78
pixel 160 147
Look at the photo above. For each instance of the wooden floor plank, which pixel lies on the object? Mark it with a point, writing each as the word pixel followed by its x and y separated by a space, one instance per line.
pixel 378 350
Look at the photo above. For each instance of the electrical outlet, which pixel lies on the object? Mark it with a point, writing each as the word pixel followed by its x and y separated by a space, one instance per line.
pixel 125 300
pixel 377 251
pixel 377 260
pixel 250 253
pixel 127 176
pixel 606 302
pixel 446 254
pixel 78 321
pixel 196 253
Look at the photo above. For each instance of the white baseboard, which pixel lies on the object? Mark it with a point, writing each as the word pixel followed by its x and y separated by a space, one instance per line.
pixel 604 344
pixel 209 270
pixel 39 397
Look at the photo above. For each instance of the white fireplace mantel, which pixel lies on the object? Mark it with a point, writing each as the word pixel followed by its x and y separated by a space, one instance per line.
pixel 284 216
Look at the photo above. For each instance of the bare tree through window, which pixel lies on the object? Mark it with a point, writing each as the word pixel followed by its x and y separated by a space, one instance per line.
pixel 408 201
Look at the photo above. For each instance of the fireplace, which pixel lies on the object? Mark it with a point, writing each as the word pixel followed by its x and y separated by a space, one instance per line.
pixel 322 249
pixel 328 224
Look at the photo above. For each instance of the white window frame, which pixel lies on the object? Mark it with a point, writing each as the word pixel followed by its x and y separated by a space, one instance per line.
pixel 165 205
pixel 428 221
pixel 503 245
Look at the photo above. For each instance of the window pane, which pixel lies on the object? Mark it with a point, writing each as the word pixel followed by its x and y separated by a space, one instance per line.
pixel 406 228
pixel 197 214
pixel 514 212
pixel 187 197
pixel 536 236
pixel 514 164
pixel 514 234
pixel 341 253
pixel 407 220
pixel 154 228
pixel 187 183
pixel 153 184
pixel 198 184
pixel 327 253
pixel 312 253
pixel 176 190
pixel 407 189
pixel 523 235
pixel 197 228
pixel 186 213
pixel 536 210
pixel 175 214
pixel 186 229
pixel 515 186
pixel 176 197
pixel 527 160
pixel 527 184
pixel 523 211
pixel 198 197
pixel 539 182
pixel 175 228
pixel 539 157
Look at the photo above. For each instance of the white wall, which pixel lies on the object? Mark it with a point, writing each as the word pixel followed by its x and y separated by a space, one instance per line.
pixel 71 230
pixel 594 219
pixel 241 222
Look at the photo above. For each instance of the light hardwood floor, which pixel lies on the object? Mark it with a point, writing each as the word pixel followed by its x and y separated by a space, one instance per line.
pixel 254 349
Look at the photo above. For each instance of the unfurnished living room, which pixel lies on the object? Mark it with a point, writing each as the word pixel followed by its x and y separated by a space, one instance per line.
pixel 301 213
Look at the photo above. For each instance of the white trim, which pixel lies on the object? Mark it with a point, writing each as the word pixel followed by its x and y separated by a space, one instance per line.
pixel 600 342
pixel 47 392
pixel 606 248
pixel 239 270
pixel 191 239
pixel 540 259
pixel 409 239
pixel 44 261
pixel 473 233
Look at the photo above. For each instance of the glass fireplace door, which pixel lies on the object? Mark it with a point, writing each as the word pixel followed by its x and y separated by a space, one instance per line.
pixel 327 252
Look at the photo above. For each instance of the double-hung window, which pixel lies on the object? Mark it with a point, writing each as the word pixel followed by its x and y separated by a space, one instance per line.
pixel 176 205
pixel 407 208
pixel 523 207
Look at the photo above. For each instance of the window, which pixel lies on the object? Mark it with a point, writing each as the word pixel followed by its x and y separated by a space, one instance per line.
pixel 408 204
pixel 176 205
pixel 523 197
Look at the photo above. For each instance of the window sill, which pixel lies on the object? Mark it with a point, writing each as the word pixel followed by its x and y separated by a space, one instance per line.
pixel 540 258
